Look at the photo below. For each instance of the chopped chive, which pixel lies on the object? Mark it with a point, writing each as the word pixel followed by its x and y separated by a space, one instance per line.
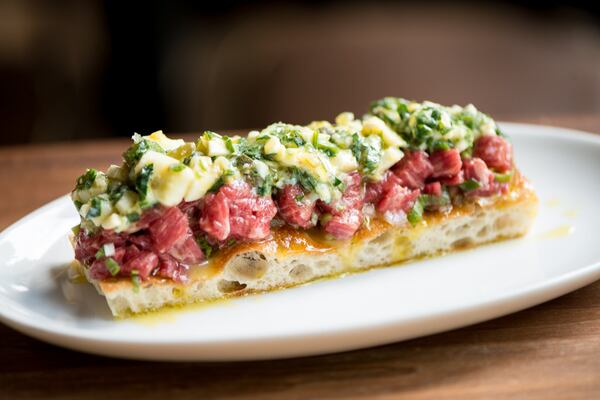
pixel 100 253
pixel 503 178
pixel 76 229
pixel 135 280
pixel 112 266
pixel 177 167
pixel 469 185
pixel 133 217
pixel 229 144
pixel 415 215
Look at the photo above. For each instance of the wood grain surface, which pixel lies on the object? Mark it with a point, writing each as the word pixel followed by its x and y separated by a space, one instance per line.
pixel 551 351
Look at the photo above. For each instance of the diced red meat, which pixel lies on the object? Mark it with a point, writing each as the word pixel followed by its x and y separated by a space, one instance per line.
pixel 445 163
pixel 149 216
pixel 495 151
pixel 374 190
pixel 144 262
pixel 390 194
pixel 398 198
pixel 171 269
pixel 413 169
pixel 344 224
pixel 169 229
pixel 236 212
pixel 476 169
pixel 142 241
pixel 186 251
pixel 215 216
pixel 454 180
pixel 346 213
pixel 294 208
pixel 433 189
pixel 99 271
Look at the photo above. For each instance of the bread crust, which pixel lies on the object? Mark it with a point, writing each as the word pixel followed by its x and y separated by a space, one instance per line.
pixel 291 257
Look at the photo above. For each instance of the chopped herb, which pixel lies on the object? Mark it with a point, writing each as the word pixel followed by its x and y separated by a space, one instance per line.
pixel 217 185
pixel 116 191
pixel 86 181
pixel 137 150
pixel 78 204
pixel 206 248
pixel 503 178
pixel 177 167
pixel 210 134
pixel 229 144
pixel 306 180
pixel 437 145
pixel 95 208
pixel 469 185
pixel 112 266
pixel 100 253
pixel 133 217
pixel 299 198
pixel 252 150
pixel 436 202
pixel 135 280
pixel 143 180
pixel 231 242
pixel 76 229
pixel 265 187
pixel 415 215
pixel 327 149
pixel 367 155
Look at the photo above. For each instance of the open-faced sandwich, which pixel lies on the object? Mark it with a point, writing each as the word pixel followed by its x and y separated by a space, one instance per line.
pixel 182 222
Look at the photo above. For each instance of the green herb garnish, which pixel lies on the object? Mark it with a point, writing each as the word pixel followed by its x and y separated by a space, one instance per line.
pixel 112 266
pixel 305 179
pixel 86 181
pixel 135 280
pixel 138 149
pixel 143 180
pixel 229 144
pixel 177 167
pixel 133 217
pixel 503 178
pixel 415 215
pixel 469 185
pixel 206 248
pixel 95 208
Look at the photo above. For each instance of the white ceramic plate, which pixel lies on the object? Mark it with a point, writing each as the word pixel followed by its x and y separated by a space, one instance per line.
pixel 561 254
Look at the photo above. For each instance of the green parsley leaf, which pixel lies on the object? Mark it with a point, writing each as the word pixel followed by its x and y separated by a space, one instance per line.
pixel 305 179
pixel 133 217
pixel 95 208
pixel 206 248
pixel 137 150
pixel 143 180
pixel 265 187
pixel 86 181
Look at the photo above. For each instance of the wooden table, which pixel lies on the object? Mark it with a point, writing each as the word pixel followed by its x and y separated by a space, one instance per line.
pixel 549 351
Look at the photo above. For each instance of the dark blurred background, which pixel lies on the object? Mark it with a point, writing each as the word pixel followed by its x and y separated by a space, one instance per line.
pixel 75 69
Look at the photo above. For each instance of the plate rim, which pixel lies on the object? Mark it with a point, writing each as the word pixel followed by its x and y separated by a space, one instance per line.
pixel 81 339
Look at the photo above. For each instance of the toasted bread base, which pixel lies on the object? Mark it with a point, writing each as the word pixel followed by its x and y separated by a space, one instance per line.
pixel 291 257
